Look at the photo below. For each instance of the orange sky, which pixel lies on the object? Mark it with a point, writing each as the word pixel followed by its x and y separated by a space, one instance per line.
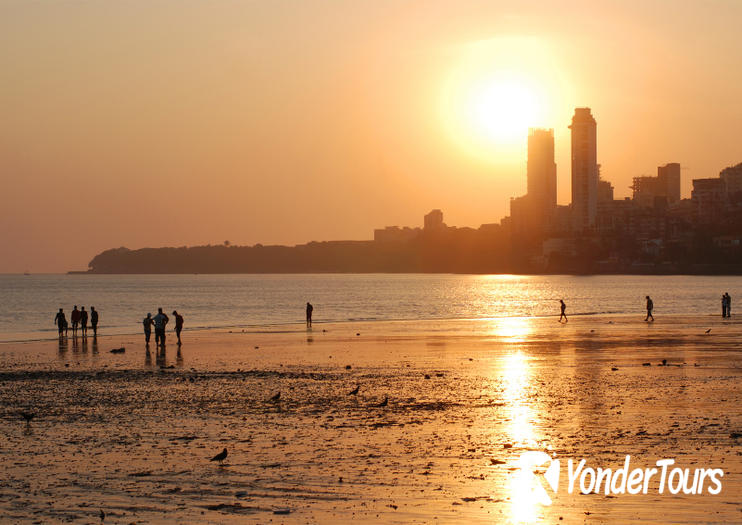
pixel 152 123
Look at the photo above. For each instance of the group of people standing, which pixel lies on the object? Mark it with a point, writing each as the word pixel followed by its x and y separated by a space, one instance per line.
pixel 79 319
pixel 159 322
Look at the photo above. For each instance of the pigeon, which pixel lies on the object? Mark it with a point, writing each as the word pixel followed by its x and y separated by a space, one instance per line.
pixel 220 457
pixel 28 416
pixel 384 403
pixel 708 331
pixel 275 398
pixel 354 392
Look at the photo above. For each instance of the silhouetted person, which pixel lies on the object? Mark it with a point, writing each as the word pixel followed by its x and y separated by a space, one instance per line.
pixel 178 324
pixel 723 305
pixel 75 318
pixel 61 321
pixel 94 320
pixel 83 321
pixel 729 304
pixel 147 322
pixel 562 307
pixel 310 309
pixel 160 322
pixel 650 307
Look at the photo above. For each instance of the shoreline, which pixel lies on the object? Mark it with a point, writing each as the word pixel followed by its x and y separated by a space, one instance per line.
pixel 299 326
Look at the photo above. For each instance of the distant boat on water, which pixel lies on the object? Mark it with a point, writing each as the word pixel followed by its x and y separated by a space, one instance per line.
pixel 26 273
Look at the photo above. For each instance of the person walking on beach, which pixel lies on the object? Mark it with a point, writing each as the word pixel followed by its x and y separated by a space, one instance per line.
pixel 650 307
pixel 160 321
pixel 75 318
pixel 310 309
pixel 61 321
pixel 94 320
pixel 178 324
pixel 83 321
pixel 147 322
pixel 563 307
pixel 729 304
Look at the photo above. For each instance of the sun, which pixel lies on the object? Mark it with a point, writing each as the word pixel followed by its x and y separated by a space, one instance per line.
pixel 496 89
pixel 503 107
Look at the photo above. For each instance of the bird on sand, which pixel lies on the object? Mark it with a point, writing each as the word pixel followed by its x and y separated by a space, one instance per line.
pixel 28 416
pixel 384 403
pixel 708 331
pixel 354 392
pixel 275 398
pixel 220 457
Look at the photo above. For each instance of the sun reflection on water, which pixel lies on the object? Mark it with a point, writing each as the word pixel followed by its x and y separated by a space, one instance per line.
pixel 516 329
pixel 521 430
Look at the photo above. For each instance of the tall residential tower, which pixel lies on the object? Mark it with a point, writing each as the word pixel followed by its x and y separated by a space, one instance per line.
pixel 541 169
pixel 584 170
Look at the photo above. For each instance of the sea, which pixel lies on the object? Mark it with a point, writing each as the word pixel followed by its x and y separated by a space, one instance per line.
pixel 29 302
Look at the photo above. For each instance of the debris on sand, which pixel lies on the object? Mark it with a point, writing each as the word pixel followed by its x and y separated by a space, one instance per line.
pixel 646 364
pixel 282 512
pixel 494 461
pixel 118 350
pixel 614 369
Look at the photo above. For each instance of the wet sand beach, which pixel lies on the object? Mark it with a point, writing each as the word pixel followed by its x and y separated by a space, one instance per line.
pixel 132 433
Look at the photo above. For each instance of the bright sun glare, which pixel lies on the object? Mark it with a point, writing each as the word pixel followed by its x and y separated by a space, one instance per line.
pixel 496 89
pixel 503 107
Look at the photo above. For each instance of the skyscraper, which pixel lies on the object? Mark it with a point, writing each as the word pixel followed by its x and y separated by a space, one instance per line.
pixel 531 214
pixel 584 170
pixel 541 169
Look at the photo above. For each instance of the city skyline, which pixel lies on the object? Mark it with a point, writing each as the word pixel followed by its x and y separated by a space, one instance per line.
pixel 261 123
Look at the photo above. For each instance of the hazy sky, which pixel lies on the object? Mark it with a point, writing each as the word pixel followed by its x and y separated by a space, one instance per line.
pixel 170 123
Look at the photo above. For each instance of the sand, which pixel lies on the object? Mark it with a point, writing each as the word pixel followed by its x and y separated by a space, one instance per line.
pixel 132 434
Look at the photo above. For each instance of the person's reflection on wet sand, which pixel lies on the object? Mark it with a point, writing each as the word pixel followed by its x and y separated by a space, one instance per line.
pixel 95 345
pixel 179 358
pixel 161 356
pixel 75 345
pixel 147 357
pixel 62 346
pixel 84 345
